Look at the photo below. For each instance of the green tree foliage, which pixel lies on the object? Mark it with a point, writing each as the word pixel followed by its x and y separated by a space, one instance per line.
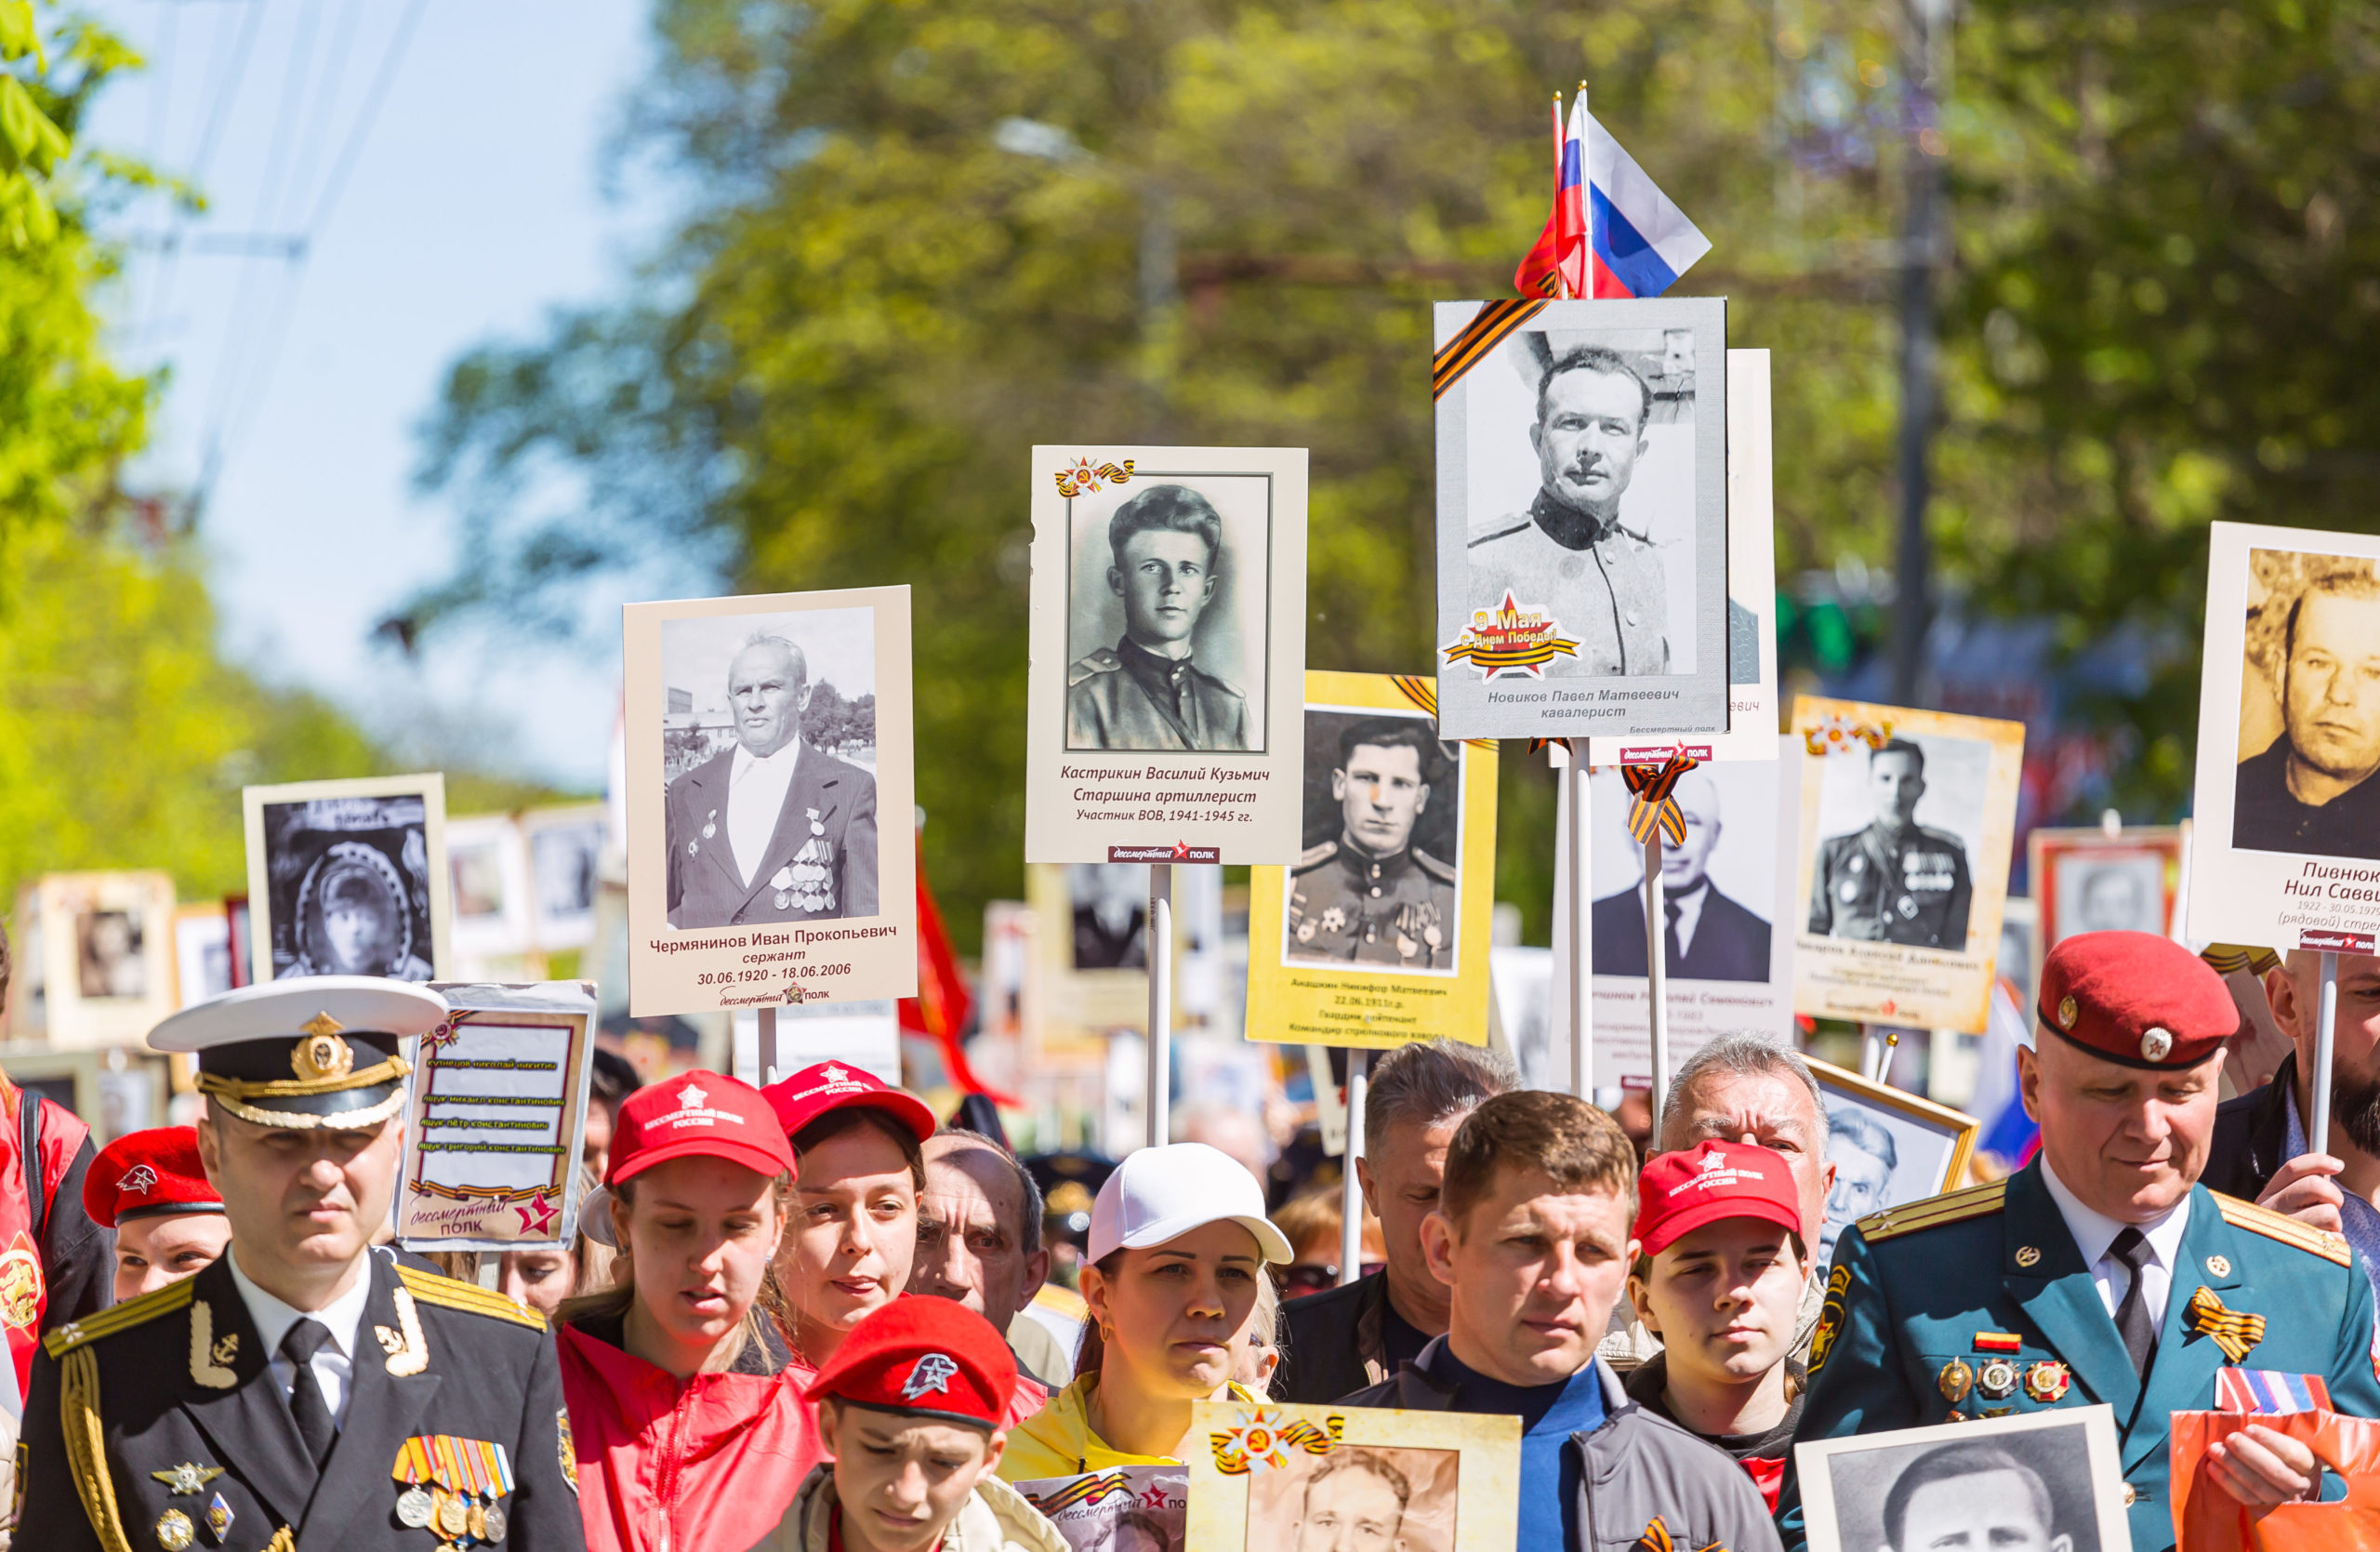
pixel 932 234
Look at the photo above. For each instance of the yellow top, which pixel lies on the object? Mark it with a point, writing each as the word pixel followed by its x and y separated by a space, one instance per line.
pixel 1058 1440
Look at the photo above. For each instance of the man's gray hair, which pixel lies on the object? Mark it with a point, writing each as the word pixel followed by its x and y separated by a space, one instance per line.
pixel 1868 1134
pixel 801 659
pixel 1735 1056
pixel 1029 1190
pixel 1430 1082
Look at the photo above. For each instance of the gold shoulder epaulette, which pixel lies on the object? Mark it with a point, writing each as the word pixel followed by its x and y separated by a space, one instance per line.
pixel 116 1317
pixel 449 1294
pixel 1974 1201
pixel 2280 1226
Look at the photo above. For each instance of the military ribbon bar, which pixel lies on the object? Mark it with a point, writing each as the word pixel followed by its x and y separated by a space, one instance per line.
pixel 1654 808
pixel 2269 1391
pixel 2234 1332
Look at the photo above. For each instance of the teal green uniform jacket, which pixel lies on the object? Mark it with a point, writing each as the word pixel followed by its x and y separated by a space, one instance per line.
pixel 1914 1288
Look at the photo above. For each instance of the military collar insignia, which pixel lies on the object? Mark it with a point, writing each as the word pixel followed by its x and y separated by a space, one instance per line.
pixel 2219 1265
pixel 408 1352
pixel 188 1478
pixel 210 1362
pixel 2028 1257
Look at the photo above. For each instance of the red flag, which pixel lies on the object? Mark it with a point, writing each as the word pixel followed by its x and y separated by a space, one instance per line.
pixel 939 1010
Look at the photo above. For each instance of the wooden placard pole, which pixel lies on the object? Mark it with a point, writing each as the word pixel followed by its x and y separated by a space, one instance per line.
pixel 1351 1199
pixel 2318 1126
pixel 1161 957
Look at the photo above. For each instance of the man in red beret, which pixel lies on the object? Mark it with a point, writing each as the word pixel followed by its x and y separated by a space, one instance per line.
pixel 2102 1271
pixel 912 1406
pixel 149 1187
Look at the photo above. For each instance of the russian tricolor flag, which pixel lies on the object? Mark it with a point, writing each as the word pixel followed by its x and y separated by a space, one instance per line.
pixel 1612 232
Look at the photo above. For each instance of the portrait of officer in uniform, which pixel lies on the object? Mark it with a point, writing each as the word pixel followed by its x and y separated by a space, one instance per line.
pixel 1896 881
pixel 1569 555
pixel 1366 893
pixel 2102 1272
pixel 1708 937
pixel 2311 790
pixel 1149 690
pixel 772 829
pixel 305 1389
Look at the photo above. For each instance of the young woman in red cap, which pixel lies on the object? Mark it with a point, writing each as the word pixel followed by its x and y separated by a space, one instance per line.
pixel 913 1408
pixel 854 1228
pixel 688 1425
pixel 149 1187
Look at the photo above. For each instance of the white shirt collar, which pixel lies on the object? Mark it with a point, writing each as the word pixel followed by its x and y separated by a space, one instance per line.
pixel 343 1315
pixel 2095 1233
pixel 782 761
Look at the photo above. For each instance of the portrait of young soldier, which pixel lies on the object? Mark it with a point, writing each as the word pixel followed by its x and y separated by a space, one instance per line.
pixel 1893 881
pixel 2310 790
pixel 1148 691
pixel 773 829
pixel 1366 891
pixel 1567 554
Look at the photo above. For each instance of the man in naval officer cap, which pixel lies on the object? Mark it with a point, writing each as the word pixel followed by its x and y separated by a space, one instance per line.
pixel 305 1389
pixel 2102 1271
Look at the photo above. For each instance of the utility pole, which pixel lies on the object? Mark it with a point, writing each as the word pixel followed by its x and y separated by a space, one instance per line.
pixel 1927 63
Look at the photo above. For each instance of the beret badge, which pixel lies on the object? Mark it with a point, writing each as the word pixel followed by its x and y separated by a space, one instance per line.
pixel 2066 1011
pixel 2156 1044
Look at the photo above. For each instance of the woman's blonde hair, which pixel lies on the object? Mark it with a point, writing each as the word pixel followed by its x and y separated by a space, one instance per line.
pixel 613 1302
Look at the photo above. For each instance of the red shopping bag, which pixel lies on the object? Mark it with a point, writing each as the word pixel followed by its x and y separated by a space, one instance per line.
pixel 2206 1518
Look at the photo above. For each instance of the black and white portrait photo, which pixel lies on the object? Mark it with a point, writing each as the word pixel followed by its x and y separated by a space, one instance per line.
pixel 2310 711
pixel 201 953
pixel 1379 881
pixel 1582 527
pixel 1897 827
pixel 769 750
pixel 348 881
pixel 1165 630
pixel 2092 881
pixel 2042 1481
pixel 1110 903
pixel 565 860
pixel 1888 1149
pixel 1718 886
pixel 108 957
pixel 1357 1498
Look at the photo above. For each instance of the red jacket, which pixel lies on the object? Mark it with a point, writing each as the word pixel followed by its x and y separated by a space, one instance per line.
pixel 672 1465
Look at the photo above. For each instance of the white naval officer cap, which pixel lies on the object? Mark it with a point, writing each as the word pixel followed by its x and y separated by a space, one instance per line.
pixel 319 1050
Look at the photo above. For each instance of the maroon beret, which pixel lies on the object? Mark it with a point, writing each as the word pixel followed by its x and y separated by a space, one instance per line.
pixel 143 1173
pixel 2138 999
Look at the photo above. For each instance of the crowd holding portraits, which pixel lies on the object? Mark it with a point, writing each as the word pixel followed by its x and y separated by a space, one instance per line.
pixel 2047 1482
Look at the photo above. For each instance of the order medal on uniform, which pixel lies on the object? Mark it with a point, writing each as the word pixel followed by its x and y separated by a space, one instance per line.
pixel 175 1531
pixel 2046 1381
pixel 1955 1381
pixel 1996 1380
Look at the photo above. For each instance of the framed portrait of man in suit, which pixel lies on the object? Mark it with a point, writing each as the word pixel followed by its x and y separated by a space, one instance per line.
pixel 1726 896
pixel 1167 645
pixel 768 737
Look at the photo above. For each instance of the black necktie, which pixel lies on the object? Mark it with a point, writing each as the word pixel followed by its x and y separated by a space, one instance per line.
pixel 305 1403
pixel 1675 951
pixel 2133 1321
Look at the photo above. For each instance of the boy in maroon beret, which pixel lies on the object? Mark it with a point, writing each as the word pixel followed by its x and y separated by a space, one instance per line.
pixel 911 1406
pixel 168 1221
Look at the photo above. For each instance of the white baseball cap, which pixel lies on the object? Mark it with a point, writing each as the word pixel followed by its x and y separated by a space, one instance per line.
pixel 1159 1194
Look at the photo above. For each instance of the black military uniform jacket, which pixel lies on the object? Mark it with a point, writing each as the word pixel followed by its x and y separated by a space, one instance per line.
pixel 1347 904
pixel 1887 885
pixel 125 1400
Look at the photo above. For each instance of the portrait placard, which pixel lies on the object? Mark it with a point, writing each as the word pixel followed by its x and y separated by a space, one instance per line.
pixel 2049 1478
pixel 766 737
pixel 1908 820
pixel 1753 704
pixel 107 944
pixel 1729 893
pixel 1124 1509
pixel 1582 518
pixel 495 1114
pixel 2286 847
pixel 202 952
pixel 1889 1147
pixel 1266 1476
pixel 487 861
pixel 348 878
pixel 1379 934
pixel 1168 637
pixel 2088 880
pixel 565 874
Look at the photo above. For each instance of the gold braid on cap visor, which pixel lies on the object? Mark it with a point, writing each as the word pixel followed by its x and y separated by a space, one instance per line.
pixel 232 1093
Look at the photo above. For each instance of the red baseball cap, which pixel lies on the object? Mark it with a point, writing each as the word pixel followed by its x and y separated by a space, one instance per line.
pixel 804 1097
pixel 1680 1192
pixel 924 1357
pixel 705 1113
pixel 2137 999
pixel 143 1173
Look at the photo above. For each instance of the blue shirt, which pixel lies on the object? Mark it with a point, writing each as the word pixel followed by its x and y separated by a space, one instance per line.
pixel 1548 1415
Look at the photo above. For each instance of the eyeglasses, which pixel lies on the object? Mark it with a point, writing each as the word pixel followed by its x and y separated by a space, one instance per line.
pixel 1314 1277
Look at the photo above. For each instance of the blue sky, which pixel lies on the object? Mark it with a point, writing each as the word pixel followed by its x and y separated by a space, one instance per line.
pixel 474 204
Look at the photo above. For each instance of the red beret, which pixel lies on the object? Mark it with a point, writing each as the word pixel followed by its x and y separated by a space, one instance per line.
pixel 2138 999
pixel 143 1173
pixel 926 1358
pixel 1680 1192
pixel 812 1091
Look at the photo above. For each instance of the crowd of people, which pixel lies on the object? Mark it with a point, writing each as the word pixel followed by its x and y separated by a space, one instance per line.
pixel 810 1316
